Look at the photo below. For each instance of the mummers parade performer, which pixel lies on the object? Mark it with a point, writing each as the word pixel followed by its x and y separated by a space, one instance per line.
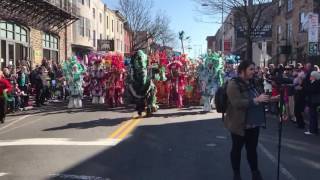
pixel 97 81
pixel 210 77
pixel 73 71
pixel 141 86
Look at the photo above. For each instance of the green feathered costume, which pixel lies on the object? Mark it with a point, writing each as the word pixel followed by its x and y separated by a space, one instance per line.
pixel 211 77
pixel 73 71
pixel 141 86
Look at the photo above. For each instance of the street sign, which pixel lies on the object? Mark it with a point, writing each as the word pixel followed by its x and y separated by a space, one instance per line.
pixel 313 49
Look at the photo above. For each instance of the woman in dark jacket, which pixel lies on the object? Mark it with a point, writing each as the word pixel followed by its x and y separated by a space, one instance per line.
pixel 313 101
pixel 244 117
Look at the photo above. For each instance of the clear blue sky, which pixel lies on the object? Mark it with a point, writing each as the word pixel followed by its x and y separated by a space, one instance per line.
pixel 183 16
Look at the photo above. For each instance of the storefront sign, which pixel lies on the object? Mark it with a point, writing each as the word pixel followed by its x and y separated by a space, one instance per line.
pixel 105 45
pixel 37 54
pixel 261 31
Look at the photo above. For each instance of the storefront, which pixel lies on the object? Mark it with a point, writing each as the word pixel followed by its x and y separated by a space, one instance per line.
pixel 14 46
pixel 43 34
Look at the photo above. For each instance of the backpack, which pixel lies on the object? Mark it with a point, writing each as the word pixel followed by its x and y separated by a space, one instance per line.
pixel 221 98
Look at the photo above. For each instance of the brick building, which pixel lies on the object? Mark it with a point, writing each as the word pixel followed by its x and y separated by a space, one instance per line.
pixel 290 40
pixel 27 36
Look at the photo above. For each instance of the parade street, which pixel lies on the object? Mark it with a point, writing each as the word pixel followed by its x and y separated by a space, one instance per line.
pixel 113 144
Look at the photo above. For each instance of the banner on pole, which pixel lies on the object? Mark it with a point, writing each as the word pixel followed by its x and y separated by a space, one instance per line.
pixel 313 22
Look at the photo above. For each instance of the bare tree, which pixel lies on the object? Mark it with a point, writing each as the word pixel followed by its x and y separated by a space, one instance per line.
pixel 166 35
pixel 144 26
pixel 249 15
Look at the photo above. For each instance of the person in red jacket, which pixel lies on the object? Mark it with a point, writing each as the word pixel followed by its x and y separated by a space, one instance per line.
pixel 5 87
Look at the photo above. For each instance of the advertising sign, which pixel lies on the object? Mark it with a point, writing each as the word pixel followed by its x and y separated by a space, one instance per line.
pixel 105 45
pixel 313 27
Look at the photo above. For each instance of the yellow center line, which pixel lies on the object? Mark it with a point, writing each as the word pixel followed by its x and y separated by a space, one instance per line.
pixel 125 128
pixel 121 128
pixel 129 129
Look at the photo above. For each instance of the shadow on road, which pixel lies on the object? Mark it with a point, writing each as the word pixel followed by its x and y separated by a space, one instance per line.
pixel 61 107
pixel 186 150
pixel 177 114
pixel 90 124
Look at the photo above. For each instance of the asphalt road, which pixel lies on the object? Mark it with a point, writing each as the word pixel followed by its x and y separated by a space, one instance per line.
pixel 100 143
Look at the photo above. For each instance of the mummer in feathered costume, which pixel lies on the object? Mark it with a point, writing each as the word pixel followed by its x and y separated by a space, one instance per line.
pixel 115 79
pixel 97 83
pixel 210 77
pixel 141 86
pixel 73 73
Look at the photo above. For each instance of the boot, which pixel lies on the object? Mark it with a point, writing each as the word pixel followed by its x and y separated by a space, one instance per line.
pixel 237 176
pixel 2 120
pixel 256 175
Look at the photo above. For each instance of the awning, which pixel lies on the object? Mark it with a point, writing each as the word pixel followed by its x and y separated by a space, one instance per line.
pixel 78 46
pixel 45 15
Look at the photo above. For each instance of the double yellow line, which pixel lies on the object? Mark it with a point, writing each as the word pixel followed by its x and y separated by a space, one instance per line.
pixel 125 129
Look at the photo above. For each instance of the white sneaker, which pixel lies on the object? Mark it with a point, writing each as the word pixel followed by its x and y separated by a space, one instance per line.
pixel 308 133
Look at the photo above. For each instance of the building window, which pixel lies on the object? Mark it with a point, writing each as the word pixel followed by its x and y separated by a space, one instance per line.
pixel 13 31
pixel 107 22
pixel 81 1
pixel 117 26
pixel 121 46
pixel 289 31
pixel 121 28
pixel 89 3
pixel 88 27
pixel 81 26
pixel 100 18
pixel 100 36
pixel 290 5
pixel 112 25
pixel 94 38
pixel 279 33
pixel 94 13
pixel 301 21
pixel 50 47
pixel 118 43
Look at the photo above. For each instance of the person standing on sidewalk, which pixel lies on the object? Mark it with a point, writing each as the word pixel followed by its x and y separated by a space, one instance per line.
pixel 313 101
pixel 244 117
pixel 299 101
pixel 23 85
pixel 5 87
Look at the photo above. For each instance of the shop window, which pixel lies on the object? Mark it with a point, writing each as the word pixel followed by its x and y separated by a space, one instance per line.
pixel 3 53
pixel 50 47
pixel 13 32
